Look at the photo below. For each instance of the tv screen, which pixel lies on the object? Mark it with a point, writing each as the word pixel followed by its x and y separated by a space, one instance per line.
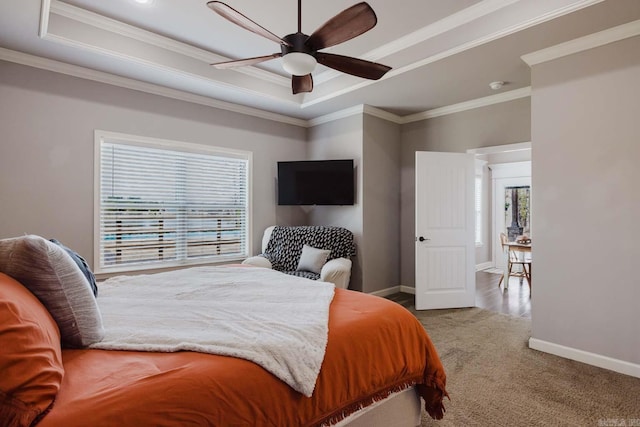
pixel 316 182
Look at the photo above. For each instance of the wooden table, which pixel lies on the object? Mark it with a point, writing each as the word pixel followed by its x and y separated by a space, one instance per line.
pixel 522 248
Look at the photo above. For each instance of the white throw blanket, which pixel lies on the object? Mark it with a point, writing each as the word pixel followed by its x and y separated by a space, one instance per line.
pixel 277 321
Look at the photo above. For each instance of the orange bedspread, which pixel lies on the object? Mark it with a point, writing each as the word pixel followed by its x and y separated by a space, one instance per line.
pixel 375 347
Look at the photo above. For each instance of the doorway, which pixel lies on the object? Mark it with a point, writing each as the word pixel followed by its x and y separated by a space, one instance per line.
pixel 508 162
pixel 511 205
pixel 506 176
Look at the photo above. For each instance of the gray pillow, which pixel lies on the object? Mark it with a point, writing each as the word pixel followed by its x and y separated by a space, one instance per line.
pixel 54 278
pixel 312 259
pixel 82 264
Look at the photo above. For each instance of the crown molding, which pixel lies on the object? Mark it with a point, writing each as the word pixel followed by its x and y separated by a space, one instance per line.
pixel 382 114
pixel 437 28
pixel 469 105
pixel 496 35
pixel 354 111
pixel 442 26
pixel 461 48
pixel 342 114
pixel 111 79
pixel 581 44
pixel 175 71
pixel 483 8
pixel 111 25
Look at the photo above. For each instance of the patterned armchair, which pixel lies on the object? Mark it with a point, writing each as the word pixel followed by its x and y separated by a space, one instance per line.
pixel 315 252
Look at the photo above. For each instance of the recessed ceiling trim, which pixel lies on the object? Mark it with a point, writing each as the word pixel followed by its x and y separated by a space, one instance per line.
pixel 469 105
pixel 111 79
pixel 494 36
pixel 127 83
pixel 45 7
pixel 99 21
pixel 437 28
pixel 459 49
pixel 580 44
pixel 175 71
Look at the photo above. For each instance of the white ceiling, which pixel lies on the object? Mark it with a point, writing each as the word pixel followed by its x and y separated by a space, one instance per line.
pixel 443 52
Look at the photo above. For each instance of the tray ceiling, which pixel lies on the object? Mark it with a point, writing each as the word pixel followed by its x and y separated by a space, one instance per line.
pixel 443 52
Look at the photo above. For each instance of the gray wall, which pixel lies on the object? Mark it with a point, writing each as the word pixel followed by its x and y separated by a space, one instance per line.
pixel 498 124
pixel 381 204
pixel 586 149
pixel 341 139
pixel 46 149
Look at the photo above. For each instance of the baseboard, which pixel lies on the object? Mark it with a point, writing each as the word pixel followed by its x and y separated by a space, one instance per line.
pixel 386 292
pixel 394 290
pixel 408 290
pixel 621 366
pixel 484 266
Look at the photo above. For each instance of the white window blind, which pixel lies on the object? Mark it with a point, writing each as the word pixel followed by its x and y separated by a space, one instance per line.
pixel 169 204
pixel 478 209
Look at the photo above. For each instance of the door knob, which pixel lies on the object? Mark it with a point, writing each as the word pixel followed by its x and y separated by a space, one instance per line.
pixel 422 239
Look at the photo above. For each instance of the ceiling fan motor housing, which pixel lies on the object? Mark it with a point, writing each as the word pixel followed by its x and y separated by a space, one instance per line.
pixel 296 44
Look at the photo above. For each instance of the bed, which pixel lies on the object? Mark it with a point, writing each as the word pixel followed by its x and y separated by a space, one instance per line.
pixel 376 352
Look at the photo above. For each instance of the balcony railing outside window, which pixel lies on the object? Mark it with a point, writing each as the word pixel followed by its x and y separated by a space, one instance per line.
pixel 163 206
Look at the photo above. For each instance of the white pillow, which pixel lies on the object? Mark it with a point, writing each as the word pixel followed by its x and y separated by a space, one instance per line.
pixel 312 259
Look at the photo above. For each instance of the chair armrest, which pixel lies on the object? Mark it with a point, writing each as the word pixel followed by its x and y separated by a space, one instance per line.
pixel 258 261
pixel 337 271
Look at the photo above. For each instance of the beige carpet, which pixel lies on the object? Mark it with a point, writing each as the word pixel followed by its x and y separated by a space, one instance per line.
pixel 494 379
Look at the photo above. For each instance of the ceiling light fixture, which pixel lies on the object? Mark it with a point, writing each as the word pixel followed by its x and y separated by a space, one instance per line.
pixel 301 53
pixel 298 63
pixel 496 85
pixel 144 1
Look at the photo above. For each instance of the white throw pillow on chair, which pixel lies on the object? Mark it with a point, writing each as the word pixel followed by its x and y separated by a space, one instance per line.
pixel 312 259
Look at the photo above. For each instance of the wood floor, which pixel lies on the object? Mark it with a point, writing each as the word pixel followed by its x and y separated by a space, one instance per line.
pixel 514 301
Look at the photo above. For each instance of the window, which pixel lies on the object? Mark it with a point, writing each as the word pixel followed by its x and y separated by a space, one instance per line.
pixel 165 203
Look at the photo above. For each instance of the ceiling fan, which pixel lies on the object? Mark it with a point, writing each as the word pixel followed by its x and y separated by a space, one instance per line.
pixel 300 53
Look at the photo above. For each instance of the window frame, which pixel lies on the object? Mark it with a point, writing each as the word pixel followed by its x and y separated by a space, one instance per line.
pixel 101 136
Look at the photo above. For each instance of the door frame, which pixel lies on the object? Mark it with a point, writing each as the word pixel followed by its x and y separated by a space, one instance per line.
pixel 503 175
pixel 493 155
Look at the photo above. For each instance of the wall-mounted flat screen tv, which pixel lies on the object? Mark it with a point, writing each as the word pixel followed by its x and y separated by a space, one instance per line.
pixel 316 182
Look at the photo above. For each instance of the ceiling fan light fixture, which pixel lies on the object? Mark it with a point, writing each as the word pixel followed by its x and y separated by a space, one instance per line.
pixel 298 63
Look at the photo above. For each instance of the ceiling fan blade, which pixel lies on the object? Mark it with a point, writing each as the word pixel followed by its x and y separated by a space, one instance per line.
pixel 248 61
pixel 354 66
pixel 239 19
pixel 301 84
pixel 346 25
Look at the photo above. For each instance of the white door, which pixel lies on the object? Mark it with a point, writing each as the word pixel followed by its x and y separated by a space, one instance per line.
pixel 445 233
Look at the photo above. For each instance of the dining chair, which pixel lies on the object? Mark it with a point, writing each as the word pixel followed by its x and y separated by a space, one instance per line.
pixel 515 258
